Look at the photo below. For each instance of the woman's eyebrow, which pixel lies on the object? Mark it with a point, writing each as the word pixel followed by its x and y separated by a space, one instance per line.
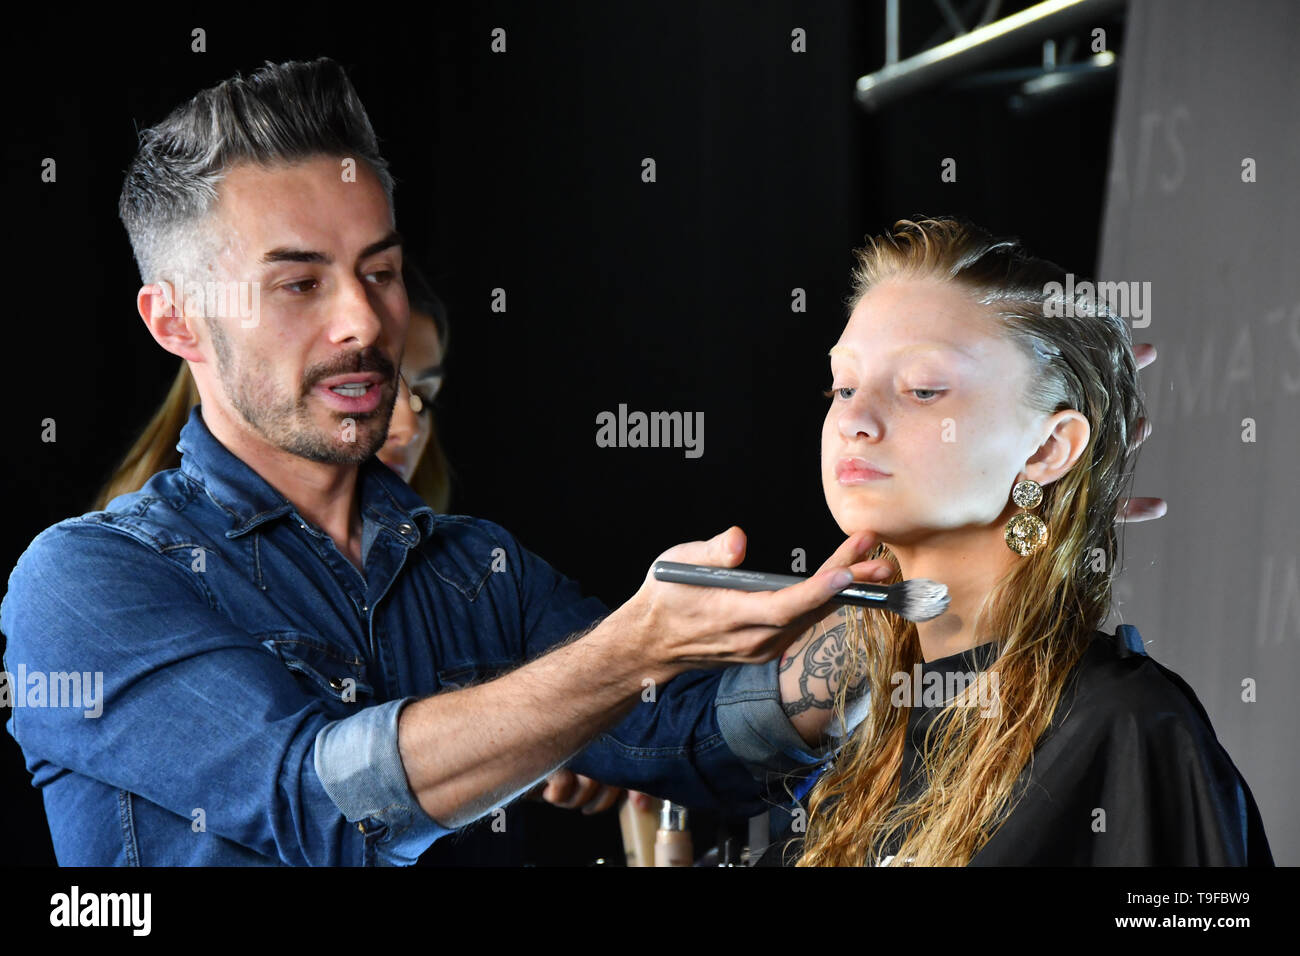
pixel 846 352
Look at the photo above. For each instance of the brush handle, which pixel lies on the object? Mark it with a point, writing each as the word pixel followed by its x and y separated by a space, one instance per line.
pixel 674 572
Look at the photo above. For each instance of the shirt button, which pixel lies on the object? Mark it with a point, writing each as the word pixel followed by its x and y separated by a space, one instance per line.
pixel 405 530
pixel 336 683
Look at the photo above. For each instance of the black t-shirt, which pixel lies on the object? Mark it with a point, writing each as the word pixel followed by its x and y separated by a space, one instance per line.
pixel 1129 773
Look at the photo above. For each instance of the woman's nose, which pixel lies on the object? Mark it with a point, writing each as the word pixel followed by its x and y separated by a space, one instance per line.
pixel 858 420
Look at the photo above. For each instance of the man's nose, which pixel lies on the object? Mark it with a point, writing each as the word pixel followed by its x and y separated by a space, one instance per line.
pixel 359 316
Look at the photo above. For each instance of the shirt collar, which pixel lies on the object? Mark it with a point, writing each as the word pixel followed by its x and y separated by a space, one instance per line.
pixel 250 500
pixel 973 658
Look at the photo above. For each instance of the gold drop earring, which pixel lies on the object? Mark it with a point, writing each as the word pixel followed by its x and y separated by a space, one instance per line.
pixel 1026 533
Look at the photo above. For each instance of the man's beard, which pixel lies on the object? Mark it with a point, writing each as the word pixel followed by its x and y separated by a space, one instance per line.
pixel 286 421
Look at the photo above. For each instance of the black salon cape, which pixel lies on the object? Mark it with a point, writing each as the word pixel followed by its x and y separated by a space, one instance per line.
pixel 1129 738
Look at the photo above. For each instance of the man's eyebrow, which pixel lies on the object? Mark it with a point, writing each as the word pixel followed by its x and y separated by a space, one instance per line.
pixel 287 254
pixel 394 238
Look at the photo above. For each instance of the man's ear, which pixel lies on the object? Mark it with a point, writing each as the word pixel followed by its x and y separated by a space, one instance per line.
pixel 165 319
pixel 1067 436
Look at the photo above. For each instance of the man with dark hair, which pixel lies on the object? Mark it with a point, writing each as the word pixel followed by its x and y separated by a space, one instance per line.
pixel 302 663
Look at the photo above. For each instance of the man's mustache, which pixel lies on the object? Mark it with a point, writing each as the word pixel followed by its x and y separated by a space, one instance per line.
pixel 370 360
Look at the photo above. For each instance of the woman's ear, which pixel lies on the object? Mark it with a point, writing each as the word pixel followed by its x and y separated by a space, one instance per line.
pixel 1067 436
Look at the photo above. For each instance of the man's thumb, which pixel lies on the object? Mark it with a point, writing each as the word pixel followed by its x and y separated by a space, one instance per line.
pixel 728 548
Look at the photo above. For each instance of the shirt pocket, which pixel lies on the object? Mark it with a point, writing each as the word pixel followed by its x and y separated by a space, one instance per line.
pixel 323 667
pixel 465 555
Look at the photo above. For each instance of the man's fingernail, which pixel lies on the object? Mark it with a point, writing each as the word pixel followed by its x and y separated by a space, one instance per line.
pixel 842 579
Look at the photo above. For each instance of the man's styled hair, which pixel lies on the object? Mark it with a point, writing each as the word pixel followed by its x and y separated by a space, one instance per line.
pixel 282 113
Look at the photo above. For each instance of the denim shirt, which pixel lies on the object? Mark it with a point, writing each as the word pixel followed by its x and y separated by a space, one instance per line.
pixel 252 677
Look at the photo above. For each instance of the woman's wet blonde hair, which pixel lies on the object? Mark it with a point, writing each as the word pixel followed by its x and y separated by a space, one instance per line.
pixel 1041 614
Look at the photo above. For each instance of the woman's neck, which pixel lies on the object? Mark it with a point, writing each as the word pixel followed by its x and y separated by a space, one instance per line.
pixel 969 562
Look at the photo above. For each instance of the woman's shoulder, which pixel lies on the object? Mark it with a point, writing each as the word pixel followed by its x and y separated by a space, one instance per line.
pixel 1117 683
pixel 1140 722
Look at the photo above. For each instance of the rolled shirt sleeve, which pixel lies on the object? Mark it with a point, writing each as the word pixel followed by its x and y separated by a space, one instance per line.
pixel 756 727
pixel 358 762
pixel 195 714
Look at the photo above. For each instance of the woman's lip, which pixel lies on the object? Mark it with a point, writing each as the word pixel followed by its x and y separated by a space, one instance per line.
pixel 853 471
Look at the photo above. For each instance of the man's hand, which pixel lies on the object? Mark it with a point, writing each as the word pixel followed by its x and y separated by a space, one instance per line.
pixel 1142 509
pixel 685 626
pixel 572 791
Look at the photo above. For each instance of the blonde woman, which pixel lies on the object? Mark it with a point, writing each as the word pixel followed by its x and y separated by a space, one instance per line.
pixel 981 431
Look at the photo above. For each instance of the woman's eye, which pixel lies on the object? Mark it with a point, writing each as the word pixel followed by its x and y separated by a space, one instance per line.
pixel 385 276
pixel 839 392
pixel 933 392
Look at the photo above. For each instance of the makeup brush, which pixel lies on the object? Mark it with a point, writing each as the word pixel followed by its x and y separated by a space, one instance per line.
pixel 917 600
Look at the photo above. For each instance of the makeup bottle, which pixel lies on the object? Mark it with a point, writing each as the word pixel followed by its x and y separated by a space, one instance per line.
pixel 673 839
pixel 638 828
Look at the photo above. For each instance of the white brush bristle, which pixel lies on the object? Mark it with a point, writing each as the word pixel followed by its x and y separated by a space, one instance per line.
pixel 919 599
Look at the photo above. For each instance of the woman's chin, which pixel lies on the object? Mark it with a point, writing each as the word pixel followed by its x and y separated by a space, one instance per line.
pixel 853 519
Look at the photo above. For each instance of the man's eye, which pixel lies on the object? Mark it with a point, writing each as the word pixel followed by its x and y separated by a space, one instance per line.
pixel 933 392
pixel 839 392
pixel 385 276
pixel 290 285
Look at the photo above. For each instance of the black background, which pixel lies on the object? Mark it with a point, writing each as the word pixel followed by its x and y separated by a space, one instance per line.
pixel 523 171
